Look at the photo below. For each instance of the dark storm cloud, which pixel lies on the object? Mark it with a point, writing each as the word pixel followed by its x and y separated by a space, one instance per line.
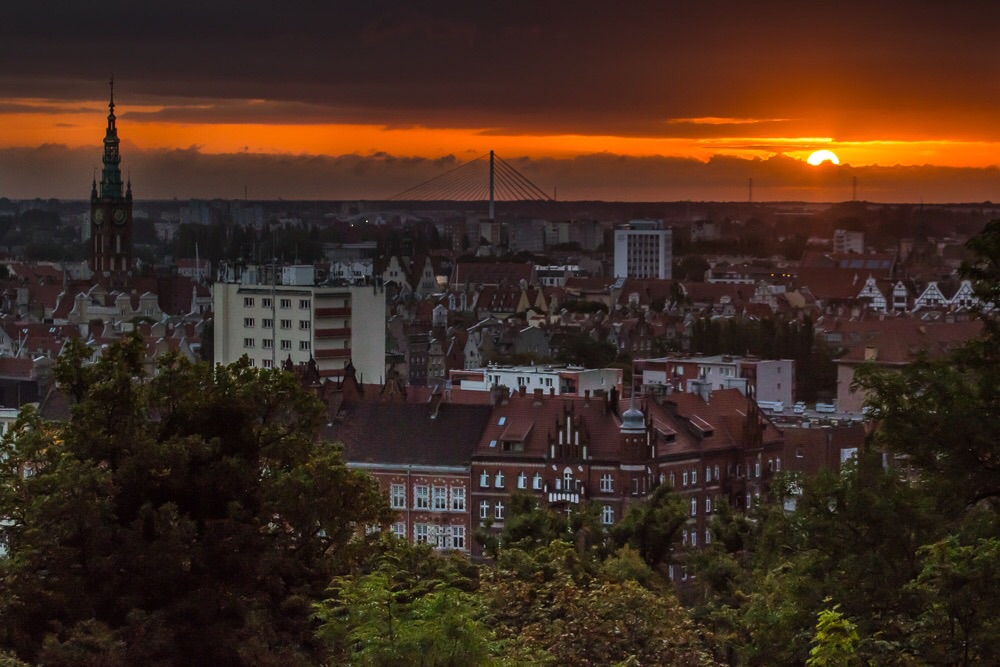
pixel 57 171
pixel 593 67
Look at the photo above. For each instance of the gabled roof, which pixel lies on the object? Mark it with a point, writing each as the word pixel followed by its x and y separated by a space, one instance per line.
pixel 878 264
pixel 897 341
pixel 535 421
pixel 409 433
pixel 492 273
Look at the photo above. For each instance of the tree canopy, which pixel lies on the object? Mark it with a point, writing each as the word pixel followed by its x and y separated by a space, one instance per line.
pixel 188 518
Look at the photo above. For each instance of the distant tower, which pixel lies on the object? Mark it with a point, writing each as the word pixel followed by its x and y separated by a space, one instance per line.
pixel 110 243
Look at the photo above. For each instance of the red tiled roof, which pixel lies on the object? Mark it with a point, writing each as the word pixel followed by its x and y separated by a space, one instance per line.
pixel 492 273
pixel 407 433
pixel 897 341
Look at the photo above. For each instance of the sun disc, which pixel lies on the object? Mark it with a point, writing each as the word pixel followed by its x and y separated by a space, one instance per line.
pixel 819 157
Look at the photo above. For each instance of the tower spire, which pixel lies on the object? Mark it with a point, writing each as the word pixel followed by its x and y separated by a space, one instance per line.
pixel 111 174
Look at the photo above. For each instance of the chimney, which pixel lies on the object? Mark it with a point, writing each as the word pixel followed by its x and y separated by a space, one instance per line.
pixel 522 390
pixel 703 388
pixel 539 392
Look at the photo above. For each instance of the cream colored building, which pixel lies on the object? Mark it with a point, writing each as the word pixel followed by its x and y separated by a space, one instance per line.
pixel 272 320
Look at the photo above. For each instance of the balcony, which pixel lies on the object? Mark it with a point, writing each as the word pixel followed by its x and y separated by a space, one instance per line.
pixel 333 312
pixel 332 354
pixel 564 497
pixel 344 332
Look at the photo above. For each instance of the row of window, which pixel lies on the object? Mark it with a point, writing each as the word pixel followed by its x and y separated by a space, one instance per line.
pixel 498 509
pixel 268 343
pixel 265 302
pixel 268 323
pixel 566 483
pixel 690 537
pixel 431 498
pixel 690 477
pixel 439 537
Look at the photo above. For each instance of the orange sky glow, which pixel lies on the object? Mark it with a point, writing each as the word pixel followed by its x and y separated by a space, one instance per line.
pixel 81 125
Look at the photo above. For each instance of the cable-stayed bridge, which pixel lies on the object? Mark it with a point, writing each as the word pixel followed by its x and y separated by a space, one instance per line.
pixel 487 178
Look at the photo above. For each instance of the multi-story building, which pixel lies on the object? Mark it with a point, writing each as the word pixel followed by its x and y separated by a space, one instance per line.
pixel 710 447
pixel 272 314
pixel 420 455
pixel 643 249
pixel 845 241
pixel 772 380
pixel 560 380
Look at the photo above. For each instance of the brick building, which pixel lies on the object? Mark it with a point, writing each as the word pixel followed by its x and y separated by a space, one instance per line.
pixel 711 447
pixel 420 455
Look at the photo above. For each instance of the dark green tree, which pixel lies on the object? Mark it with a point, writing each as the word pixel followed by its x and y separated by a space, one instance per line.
pixel 188 518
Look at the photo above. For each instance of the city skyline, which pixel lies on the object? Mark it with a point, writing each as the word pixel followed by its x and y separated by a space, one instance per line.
pixel 665 101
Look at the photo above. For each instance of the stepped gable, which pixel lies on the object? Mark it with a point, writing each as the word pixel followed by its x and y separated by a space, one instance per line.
pixel 433 433
pixel 533 420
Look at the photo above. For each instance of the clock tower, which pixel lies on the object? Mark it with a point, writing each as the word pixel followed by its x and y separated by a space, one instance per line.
pixel 110 249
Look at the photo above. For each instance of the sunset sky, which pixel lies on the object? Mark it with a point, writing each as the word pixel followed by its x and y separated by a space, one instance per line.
pixel 663 100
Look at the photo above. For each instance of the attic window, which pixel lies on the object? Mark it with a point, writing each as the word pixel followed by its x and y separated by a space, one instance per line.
pixel 513 446
pixel 667 435
pixel 503 420
pixel 493 443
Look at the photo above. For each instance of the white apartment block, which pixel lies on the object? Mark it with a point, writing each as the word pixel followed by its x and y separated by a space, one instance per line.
pixel 558 380
pixel 644 249
pixel 272 320
pixel 845 241
pixel 771 379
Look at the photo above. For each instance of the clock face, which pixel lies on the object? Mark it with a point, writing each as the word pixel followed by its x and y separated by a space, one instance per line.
pixel 98 216
pixel 119 215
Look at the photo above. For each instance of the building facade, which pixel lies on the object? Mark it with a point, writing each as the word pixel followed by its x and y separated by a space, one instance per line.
pixel 559 380
pixel 712 449
pixel 273 316
pixel 772 380
pixel 643 249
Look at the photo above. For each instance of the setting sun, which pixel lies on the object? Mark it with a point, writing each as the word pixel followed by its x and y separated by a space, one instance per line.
pixel 819 157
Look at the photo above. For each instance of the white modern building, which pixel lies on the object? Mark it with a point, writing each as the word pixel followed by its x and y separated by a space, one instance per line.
pixel 643 249
pixel 558 380
pixel 772 380
pixel 273 316
pixel 845 241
